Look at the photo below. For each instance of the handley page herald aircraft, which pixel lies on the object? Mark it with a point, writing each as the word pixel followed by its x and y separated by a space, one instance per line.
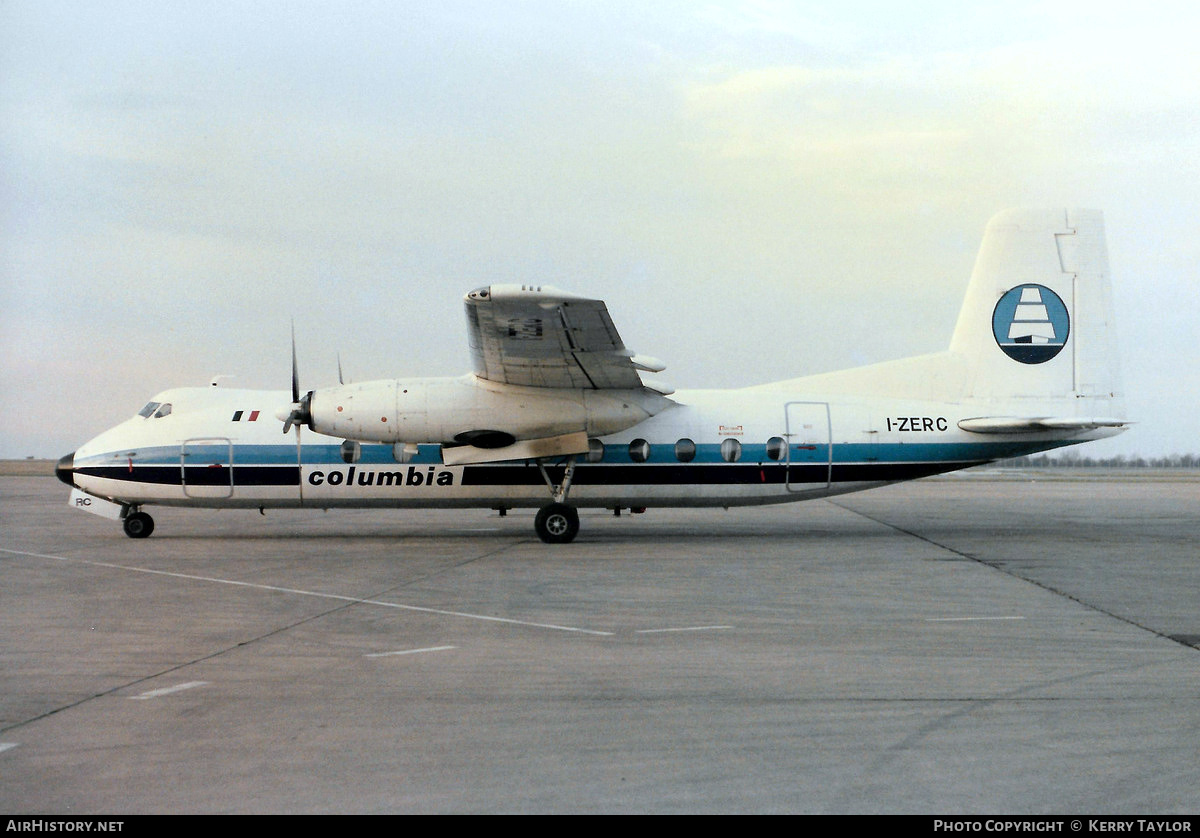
pixel 556 414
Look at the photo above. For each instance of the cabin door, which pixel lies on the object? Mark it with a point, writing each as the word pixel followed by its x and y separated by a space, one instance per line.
pixel 206 467
pixel 810 454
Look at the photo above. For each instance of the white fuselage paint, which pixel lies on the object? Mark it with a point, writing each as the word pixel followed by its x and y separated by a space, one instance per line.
pixel 825 444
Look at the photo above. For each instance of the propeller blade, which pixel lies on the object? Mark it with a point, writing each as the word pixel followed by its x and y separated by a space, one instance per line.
pixel 295 368
pixel 297 413
pixel 299 466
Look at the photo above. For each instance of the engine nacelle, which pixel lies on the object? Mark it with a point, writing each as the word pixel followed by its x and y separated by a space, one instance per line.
pixel 470 410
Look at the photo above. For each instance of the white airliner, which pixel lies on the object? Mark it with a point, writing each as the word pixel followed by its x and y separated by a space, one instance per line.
pixel 556 414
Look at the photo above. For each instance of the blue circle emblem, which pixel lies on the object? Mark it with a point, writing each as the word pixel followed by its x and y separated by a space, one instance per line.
pixel 1031 324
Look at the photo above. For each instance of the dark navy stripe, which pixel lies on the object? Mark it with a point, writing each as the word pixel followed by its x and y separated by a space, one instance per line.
pixel 199 475
pixel 501 475
pixel 710 475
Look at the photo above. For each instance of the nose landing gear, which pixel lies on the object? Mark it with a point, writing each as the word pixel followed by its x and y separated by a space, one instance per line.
pixel 138 525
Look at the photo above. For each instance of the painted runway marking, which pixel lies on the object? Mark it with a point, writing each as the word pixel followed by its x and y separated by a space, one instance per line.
pixel 168 690
pixel 967 619
pixel 685 628
pixel 408 652
pixel 299 592
pixel 4 746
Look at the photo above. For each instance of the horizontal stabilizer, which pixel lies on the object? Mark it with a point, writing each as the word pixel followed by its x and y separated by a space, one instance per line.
pixel 524 449
pixel 1037 424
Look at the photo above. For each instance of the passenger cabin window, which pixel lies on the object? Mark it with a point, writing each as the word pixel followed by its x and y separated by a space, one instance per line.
pixel 731 450
pixel 351 451
pixel 163 410
pixel 148 411
pixel 685 450
pixel 776 448
pixel 639 450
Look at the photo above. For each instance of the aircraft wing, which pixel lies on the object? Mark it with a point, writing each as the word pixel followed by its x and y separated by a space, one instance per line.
pixel 539 336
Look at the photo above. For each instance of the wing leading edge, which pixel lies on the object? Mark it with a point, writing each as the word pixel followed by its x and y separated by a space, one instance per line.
pixel 539 336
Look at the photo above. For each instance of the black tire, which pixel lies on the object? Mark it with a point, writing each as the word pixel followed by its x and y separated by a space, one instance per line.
pixel 138 525
pixel 557 523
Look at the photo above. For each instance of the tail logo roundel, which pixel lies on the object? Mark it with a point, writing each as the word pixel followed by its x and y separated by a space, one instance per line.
pixel 1031 324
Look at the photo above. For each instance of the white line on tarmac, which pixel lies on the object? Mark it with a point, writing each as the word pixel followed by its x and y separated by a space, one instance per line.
pixel 4 746
pixel 967 619
pixel 685 628
pixel 168 690
pixel 407 652
pixel 299 592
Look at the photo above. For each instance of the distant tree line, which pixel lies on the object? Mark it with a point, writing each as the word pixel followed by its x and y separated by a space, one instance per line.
pixel 1073 459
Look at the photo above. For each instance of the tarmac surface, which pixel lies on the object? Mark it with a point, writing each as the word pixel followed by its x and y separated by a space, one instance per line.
pixel 951 646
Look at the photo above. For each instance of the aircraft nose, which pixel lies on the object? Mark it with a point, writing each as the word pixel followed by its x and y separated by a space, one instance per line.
pixel 65 470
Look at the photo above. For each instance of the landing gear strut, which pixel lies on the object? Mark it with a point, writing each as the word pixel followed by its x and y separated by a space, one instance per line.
pixel 138 525
pixel 557 523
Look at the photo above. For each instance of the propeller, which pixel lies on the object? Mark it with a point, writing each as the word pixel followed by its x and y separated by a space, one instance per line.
pixel 299 412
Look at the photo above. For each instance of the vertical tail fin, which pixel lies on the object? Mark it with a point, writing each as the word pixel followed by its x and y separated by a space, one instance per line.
pixel 1036 328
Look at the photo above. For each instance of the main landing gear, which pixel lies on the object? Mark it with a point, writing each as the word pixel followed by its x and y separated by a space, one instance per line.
pixel 557 523
pixel 138 524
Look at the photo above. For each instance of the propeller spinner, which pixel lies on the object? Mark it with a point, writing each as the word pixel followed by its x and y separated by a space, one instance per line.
pixel 297 414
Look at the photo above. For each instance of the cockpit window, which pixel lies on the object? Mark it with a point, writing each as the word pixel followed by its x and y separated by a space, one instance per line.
pixel 146 411
pixel 163 410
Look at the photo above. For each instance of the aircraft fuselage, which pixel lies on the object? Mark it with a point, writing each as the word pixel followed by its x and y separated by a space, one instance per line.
pixel 222 448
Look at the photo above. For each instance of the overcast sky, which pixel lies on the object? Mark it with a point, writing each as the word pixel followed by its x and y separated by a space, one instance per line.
pixel 759 190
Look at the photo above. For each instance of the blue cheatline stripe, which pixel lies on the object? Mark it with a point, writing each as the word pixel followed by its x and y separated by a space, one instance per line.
pixel 614 454
pixel 258 454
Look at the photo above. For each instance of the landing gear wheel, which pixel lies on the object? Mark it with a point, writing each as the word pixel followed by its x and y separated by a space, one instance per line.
pixel 557 523
pixel 138 525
